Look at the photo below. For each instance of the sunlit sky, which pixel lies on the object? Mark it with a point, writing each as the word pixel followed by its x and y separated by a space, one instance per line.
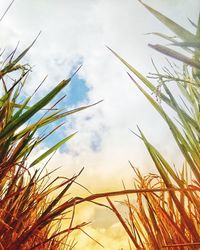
pixel 75 32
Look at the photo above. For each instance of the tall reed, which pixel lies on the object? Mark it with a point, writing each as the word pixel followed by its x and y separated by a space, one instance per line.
pixel 165 213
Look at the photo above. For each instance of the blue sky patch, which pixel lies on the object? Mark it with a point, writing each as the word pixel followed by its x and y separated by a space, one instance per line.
pixel 76 92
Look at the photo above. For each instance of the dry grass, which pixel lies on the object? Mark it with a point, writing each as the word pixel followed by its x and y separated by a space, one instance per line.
pixel 32 205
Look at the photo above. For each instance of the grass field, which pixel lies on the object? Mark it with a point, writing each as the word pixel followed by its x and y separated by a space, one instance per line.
pixel 163 209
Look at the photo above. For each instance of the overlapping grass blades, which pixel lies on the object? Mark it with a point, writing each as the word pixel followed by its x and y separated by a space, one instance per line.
pixel 31 207
pixel 154 219
pixel 169 220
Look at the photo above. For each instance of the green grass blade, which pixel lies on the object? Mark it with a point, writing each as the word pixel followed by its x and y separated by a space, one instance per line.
pixel 15 124
pixel 141 77
pixel 51 150
pixel 195 44
pixel 182 143
pixel 154 89
pixel 174 27
pixel 52 118
pixel 10 66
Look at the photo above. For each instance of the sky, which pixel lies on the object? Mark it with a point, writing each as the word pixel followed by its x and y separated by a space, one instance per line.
pixel 76 33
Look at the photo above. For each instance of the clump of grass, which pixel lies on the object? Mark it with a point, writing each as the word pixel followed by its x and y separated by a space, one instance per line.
pixel 165 213
pixel 31 204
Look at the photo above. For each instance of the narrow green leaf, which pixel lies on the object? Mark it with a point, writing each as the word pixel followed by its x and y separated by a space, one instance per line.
pixel 157 162
pixel 197 50
pixel 15 124
pixel 174 27
pixel 21 108
pixel 140 76
pixel 195 44
pixel 168 183
pixel 182 143
pixel 10 66
pixel 51 150
pixel 154 89
pixel 52 118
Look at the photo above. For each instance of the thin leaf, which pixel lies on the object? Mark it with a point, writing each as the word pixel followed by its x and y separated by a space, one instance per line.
pixel 174 27
pixel 175 55
pixel 51 150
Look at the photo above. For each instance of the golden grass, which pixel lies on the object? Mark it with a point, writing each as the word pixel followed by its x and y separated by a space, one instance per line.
pixel 32 205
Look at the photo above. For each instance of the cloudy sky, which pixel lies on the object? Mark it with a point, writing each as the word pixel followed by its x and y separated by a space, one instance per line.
pixel 76 32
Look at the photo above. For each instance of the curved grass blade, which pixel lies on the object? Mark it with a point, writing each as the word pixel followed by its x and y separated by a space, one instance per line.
pixel 51 150
pixel 154 89
pixel 11 65
pixel 15 124
pixel 174 27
